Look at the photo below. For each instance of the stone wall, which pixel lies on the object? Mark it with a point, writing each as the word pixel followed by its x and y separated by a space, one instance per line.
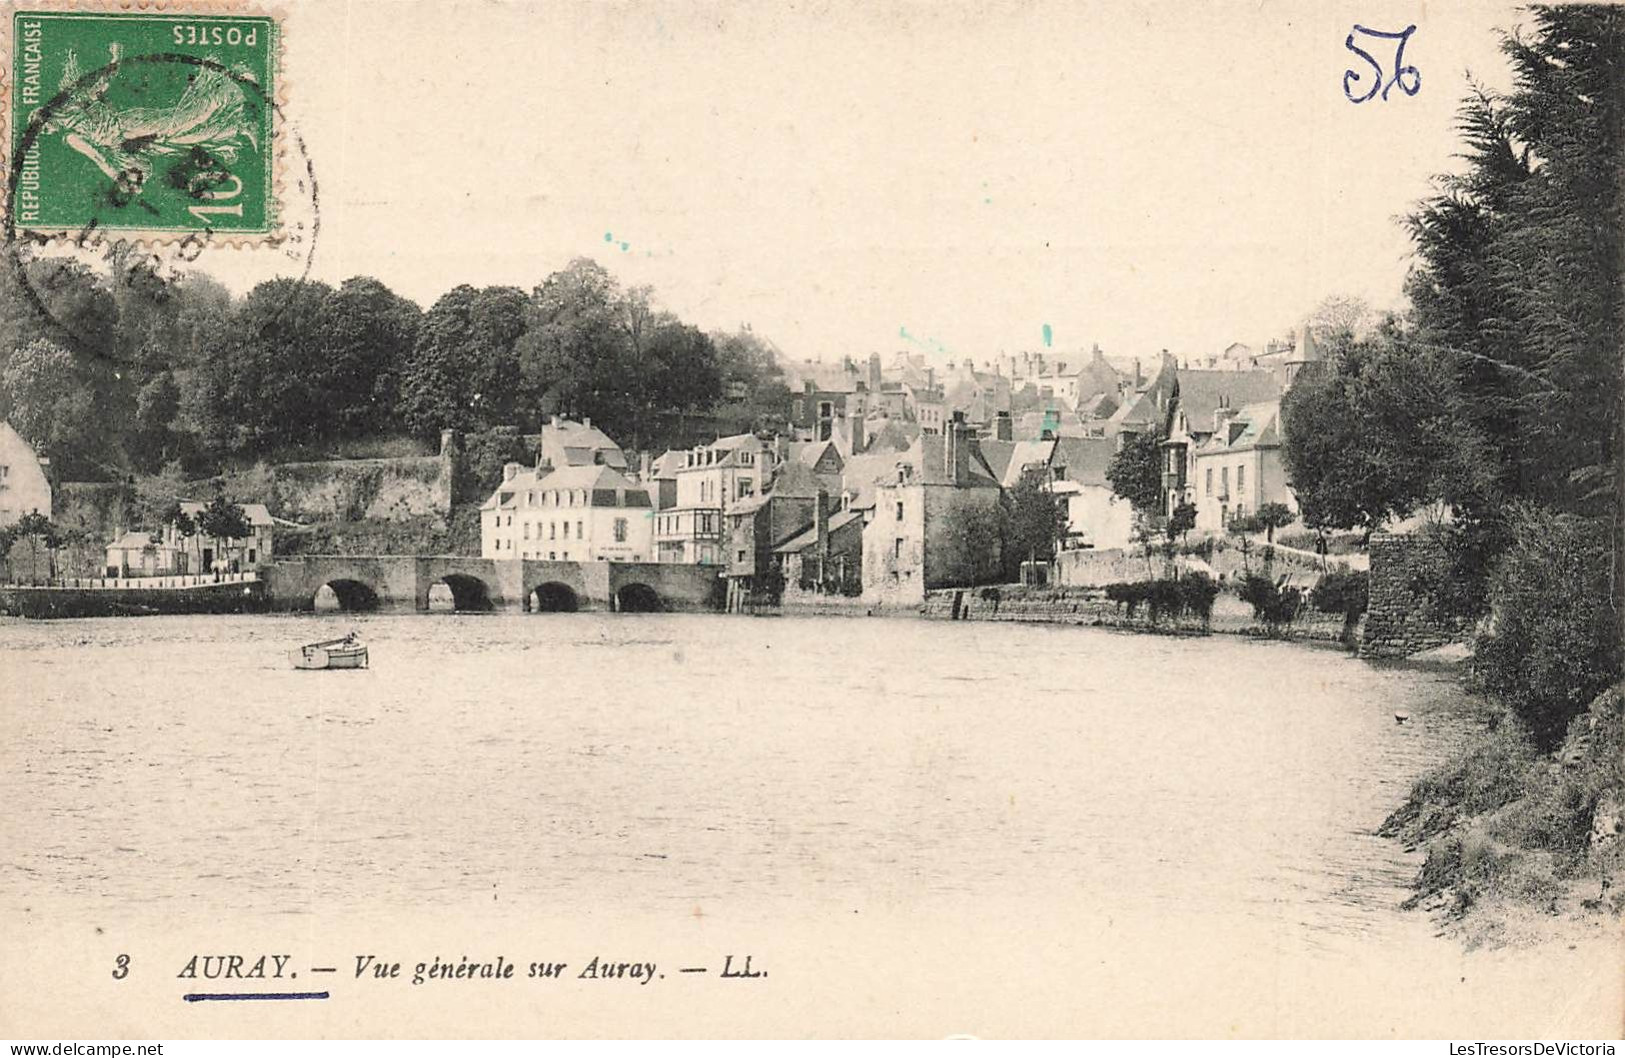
pixel 358 490
pixel 1078 606
pixel 1398 622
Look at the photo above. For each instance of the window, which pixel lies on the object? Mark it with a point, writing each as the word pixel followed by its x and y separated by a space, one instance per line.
pixel 742 554
pixel 620 530
pixel 1224 481
pixel 746 488
pixel 552 556
pixel 552 530
pixel 567 530
pixel 1241 478
pixel 746 459
pixel 250 554
pixel 580 535
pixel 897 548
pixel 899 510
pixel 527 530
pixel 1207 482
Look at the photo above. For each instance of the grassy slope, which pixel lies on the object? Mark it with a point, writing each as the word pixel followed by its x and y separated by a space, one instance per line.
pixel 1515 839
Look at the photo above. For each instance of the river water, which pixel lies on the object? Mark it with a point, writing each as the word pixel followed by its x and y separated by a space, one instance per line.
pixel 654 765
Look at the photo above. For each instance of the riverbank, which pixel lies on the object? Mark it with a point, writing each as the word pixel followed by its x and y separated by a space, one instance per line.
pixel 1520 845
pixel 1090 607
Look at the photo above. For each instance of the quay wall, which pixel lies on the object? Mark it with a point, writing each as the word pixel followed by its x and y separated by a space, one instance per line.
pixel 246 596
pixel 1075 606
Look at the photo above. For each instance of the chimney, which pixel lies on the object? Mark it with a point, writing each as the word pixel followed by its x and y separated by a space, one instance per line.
pixel 1004 429
pixel 1223 414
pixel 821 526
pixel 1139 379
pixel 930 378
pixel 586 423
pixel 874 372
pixel 646 465
pixel 957 456
pixel 858 438
pixel 1095 352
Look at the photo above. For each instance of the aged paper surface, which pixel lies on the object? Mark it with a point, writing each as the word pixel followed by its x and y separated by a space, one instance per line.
pixel 845 820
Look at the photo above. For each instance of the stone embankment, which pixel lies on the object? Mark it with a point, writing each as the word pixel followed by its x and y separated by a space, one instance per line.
pixel 1085 606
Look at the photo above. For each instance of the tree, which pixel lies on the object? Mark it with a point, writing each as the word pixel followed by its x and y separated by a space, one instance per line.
pixel 1553 644
pixel 754 394
pixel 53 402
pixel 261 383
pixel 368 331
pixel 1135 472
pixel 1520 261
pixel 152 440
pixel 465 371
pixel 223 520
pixel 1385 431
pixel 37 531
pixel 1181 521
pixel 1034 524
pixel 1341 315
pixel 1242 529
pixel 970 542
pixel 1272 516
pixel 576 355
pixel 176 515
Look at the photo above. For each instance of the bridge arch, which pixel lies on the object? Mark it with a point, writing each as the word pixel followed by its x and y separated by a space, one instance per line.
pixel 638 598
pixel 460 593
pixel 346 594
pixel 553 597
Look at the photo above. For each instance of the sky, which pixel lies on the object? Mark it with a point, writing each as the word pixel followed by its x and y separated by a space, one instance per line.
pixel 849 178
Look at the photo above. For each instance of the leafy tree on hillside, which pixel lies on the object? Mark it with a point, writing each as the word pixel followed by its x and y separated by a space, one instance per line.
pixel 464 372
pixel 369 331
pixel 53 405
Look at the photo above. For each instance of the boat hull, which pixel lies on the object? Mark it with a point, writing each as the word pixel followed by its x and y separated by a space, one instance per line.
pixel 319 658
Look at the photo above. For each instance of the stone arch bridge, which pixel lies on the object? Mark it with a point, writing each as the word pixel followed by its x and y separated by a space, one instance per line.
pixel 405 583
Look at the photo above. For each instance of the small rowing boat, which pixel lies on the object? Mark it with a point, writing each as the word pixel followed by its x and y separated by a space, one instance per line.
pixel 347 653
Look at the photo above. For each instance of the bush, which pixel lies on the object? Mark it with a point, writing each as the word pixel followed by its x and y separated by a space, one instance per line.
pixel 1197 592
pixel 1554 643
pixel 1202 548
pixel 1274 606
pixel 1129 594
pixel 1344 591
pixel 1167 597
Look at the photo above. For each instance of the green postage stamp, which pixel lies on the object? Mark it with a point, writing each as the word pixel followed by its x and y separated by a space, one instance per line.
pixel 153 123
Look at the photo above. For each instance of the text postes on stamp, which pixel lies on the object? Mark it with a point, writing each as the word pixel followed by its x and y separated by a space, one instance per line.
pixel 143 123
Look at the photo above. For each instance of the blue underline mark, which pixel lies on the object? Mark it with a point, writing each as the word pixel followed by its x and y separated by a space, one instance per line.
pixel 217 997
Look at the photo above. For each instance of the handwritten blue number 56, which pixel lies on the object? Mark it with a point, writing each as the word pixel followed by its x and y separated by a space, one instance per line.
pixel 1353 78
